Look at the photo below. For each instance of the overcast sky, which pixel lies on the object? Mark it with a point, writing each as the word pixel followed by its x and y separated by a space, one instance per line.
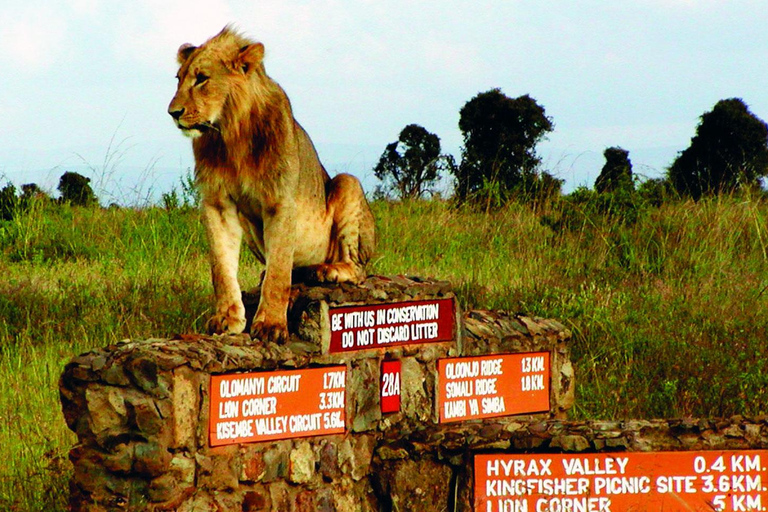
pixel 86 83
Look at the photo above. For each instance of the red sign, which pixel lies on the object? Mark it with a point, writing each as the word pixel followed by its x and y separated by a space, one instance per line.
pixel 724 481
pixel 390 386
pixel 494 385
pixel 264 406
pixel 388 325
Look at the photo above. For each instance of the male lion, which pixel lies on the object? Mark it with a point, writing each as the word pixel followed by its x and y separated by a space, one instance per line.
pixel 260 177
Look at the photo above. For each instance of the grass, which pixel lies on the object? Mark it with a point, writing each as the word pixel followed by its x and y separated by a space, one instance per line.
pixel 668 309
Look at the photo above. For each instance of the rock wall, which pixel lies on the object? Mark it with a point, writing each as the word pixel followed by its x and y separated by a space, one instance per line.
pixel 140 409
pixel 141 412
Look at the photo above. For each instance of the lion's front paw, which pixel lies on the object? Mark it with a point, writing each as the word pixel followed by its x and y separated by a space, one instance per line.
pixel 327 274
pixel 229 321
pixel 341 272
pixel 269 333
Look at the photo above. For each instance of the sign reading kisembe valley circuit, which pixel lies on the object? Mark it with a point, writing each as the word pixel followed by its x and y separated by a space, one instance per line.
pixel 387 325
pixel 493 385
pixel 265 406
pixel 722 481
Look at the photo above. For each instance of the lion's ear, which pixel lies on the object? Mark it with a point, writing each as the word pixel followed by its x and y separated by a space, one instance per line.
pixel 250 57
pixel 185 51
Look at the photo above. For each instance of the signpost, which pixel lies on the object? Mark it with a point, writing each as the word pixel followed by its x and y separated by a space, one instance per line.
pixel 388 325
pixel 494 385
pixel 266 406
pixel 723 481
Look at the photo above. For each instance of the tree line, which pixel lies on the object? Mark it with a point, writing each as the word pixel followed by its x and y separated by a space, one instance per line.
pixel 499 162
pixel 728 153
pixel 73 188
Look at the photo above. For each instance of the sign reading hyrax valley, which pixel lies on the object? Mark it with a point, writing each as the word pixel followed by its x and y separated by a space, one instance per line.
pixel 265 406
pixel 722 481
pixel 387 325
pixel 495 385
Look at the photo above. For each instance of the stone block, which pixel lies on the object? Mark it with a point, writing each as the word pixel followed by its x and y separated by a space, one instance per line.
pixel 253 467
pixel 302 463
pixel 422 485
pixel 186 407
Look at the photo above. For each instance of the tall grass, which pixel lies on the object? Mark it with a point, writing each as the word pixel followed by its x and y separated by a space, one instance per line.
pixel 668 308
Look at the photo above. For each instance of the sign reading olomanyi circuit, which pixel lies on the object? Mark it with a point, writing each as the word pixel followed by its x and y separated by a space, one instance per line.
pixel 493 385
pixel 724 481
pixel 266 406
pixel 387 325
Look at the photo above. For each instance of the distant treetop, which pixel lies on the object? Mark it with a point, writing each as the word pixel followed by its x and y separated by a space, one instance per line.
pixel 500 137
pixel 728 152
pixel 616 173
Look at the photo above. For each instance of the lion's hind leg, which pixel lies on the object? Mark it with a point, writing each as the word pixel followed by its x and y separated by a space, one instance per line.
pixel 352 235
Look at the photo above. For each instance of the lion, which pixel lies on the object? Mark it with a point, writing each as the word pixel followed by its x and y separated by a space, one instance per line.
pixel 260 179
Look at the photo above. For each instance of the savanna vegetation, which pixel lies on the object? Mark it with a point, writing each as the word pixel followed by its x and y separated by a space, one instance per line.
pixel 665 291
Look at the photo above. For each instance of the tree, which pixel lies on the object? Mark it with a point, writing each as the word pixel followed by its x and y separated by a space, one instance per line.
pixel 31 192
pixel 8 202
pixel 616 173
pixel 410 166
pixel 728 152
pixel 75 190
pixel 500 137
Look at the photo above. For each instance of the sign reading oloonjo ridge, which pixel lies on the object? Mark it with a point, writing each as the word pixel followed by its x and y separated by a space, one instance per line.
pixel 722 481
pixel 265 406
pixel 493 385
pixel 387 325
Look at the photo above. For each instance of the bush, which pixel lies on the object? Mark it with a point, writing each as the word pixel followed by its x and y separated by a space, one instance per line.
pixel 75 189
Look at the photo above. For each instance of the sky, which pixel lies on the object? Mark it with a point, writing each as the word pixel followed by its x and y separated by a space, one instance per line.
pixel 86 83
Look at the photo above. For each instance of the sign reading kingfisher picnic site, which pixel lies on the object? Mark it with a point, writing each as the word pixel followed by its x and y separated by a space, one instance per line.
pixel 387 325
pixel 494 385
pixel 265 406
pixel 721 481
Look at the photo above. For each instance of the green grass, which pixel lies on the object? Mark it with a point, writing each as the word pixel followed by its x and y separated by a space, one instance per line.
pixel 668 310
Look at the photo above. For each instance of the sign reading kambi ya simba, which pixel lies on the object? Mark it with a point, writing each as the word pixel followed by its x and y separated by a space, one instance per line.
pixel 387 325
pixel 494 385
pixel 720 481
pixel 266 406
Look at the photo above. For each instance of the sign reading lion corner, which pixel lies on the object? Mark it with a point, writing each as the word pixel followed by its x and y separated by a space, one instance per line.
pixel 387 325
pixel 704 481
pixel 266 406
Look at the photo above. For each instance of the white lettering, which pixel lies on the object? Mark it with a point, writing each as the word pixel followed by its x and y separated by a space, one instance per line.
pixel 234 429
pixel 283 383
pixel 462 369
pixel 260 406
pixel 334 380
pixel 304 422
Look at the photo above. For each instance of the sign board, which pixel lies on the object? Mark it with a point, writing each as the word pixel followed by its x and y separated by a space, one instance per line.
pixel 493 385
pixel 390 386
pixel 388 325
pixel 724 481
pixel 266 406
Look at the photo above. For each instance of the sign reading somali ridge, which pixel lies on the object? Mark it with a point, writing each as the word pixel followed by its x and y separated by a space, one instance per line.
pixel 387 325
pixel 265 406
pixel 722 481
pixel 494 385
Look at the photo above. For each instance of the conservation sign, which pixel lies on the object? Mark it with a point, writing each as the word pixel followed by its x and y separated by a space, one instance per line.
pixel 387 325
pixel 494 385
pixel 723 481
pixel 266 406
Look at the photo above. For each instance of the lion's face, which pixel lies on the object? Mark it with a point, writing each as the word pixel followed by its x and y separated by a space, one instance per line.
pixel 208 76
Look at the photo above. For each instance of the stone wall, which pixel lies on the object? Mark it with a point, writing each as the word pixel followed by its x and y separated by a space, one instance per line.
pixel 140 409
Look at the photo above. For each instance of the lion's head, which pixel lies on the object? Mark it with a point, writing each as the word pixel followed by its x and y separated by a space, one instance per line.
pixel 213 78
